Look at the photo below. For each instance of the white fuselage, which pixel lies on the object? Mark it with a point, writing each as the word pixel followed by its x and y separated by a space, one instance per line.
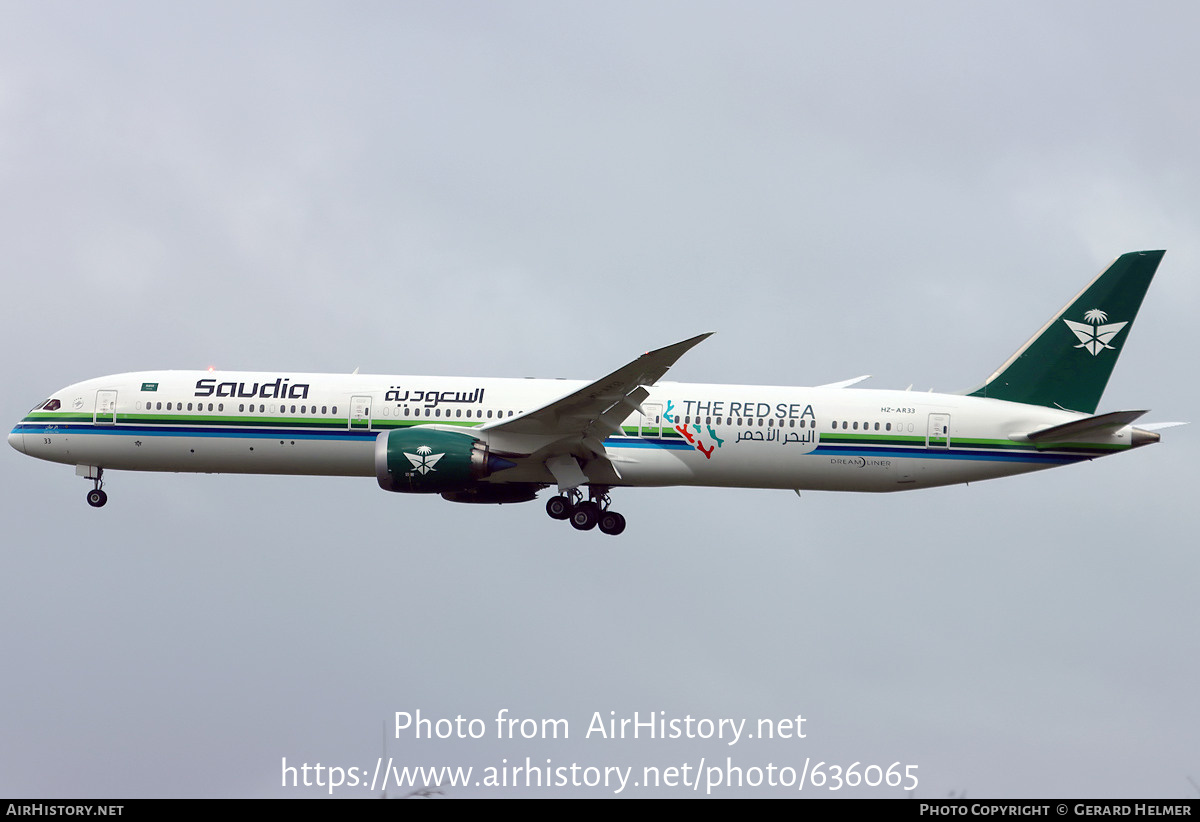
pixel 685 434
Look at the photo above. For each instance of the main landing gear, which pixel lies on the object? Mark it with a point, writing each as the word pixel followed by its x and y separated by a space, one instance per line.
pixel 586 514
pixel 96 497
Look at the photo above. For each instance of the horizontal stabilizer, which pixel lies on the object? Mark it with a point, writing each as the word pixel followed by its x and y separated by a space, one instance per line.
pixel 1158 426
pixel 1097 426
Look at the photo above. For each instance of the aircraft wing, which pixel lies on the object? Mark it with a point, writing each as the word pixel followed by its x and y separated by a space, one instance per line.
pixel 567 435
pixel 845 383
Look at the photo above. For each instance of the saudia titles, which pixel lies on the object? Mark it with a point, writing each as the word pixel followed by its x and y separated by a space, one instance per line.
pixel 278 390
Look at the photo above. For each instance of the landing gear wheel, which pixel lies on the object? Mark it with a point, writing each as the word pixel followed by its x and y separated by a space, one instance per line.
pixel 585 516
pixel 612 523
pixel 97 498
pixel 558 507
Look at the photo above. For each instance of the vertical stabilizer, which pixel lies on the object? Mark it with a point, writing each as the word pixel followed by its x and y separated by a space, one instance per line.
pixel 1068 362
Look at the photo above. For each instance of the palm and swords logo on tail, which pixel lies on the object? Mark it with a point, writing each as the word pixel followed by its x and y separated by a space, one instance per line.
pixel 1095 337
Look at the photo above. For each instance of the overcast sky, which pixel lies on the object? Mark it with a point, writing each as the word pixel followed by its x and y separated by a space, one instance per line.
pixel 547 189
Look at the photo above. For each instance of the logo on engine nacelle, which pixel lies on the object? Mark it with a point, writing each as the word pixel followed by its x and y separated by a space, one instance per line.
pixel 424 460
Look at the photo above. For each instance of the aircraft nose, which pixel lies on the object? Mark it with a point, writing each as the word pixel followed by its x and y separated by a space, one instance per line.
pixel 17 441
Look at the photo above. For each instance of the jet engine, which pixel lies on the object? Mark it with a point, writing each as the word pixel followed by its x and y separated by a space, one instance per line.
pixel 423 460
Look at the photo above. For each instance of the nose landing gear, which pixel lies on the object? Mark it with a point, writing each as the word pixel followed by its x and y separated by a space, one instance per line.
pixel 586 514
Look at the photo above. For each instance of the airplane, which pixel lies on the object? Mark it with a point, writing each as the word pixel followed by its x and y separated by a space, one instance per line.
pixel 488 440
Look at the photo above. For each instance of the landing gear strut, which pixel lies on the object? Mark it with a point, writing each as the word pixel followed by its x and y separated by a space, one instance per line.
pixel 586 514
pixel 96 497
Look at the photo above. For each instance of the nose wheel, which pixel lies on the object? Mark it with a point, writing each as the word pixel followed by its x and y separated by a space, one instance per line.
pixel 584 515
pixel 96 497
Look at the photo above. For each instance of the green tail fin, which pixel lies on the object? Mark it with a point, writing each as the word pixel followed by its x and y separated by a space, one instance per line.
pixel 1067 364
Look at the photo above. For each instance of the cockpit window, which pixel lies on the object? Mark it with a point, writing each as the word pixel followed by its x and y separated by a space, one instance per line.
pixel 48 405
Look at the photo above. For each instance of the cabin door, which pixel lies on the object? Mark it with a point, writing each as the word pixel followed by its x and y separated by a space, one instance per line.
pixel 106 407
pixel 360 413
pixel 651 421
pixel 939 431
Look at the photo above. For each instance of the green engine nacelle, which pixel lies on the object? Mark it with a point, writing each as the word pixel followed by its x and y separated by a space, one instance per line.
pixel 424 460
